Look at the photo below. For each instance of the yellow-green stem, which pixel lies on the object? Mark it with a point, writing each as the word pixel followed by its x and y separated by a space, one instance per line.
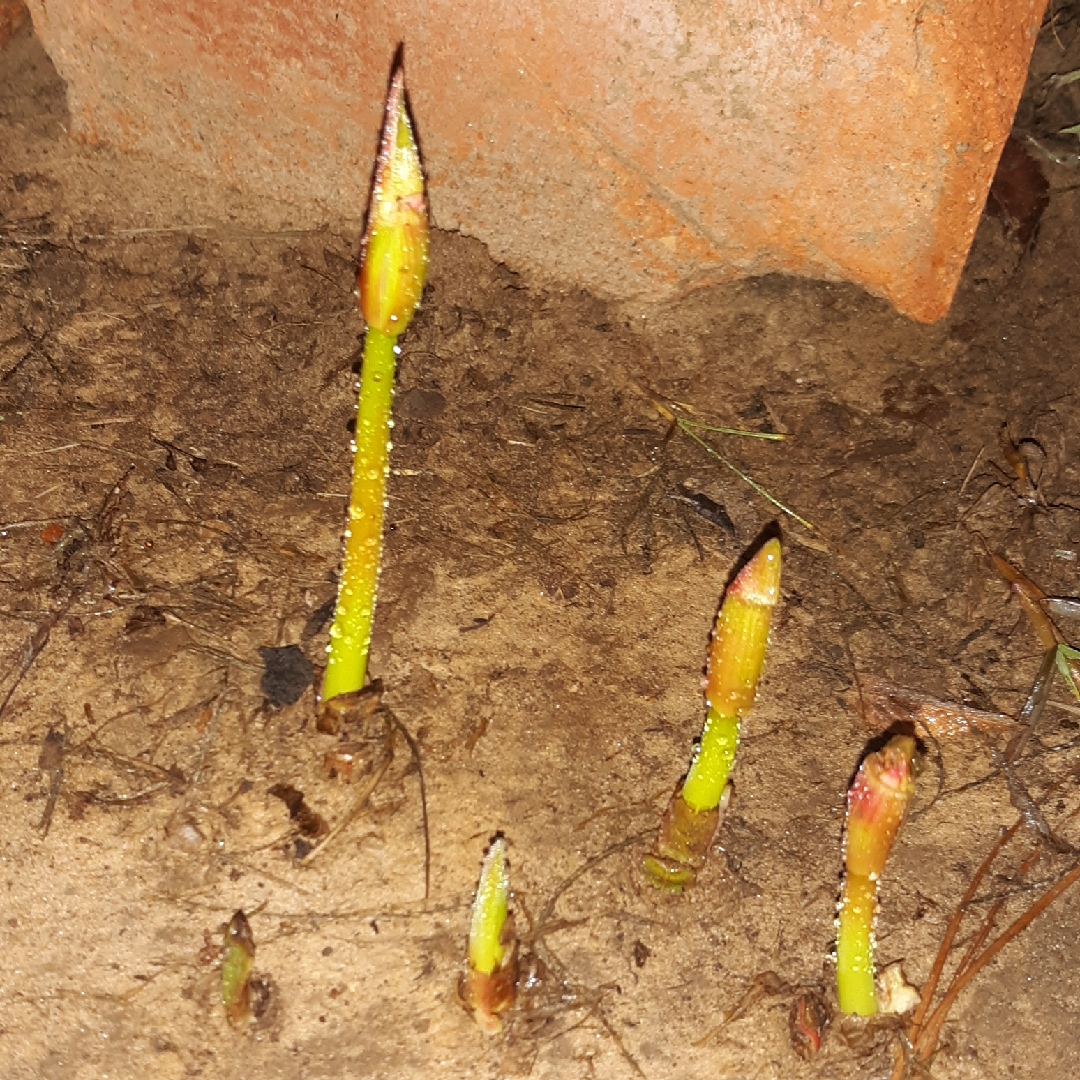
pixel 236 969
pixel 855 947
pixel 712 762
pixel 877 800
pixel 350 634
pixel 489 911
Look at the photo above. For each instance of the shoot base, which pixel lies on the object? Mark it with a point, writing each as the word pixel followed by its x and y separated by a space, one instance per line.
pixel 682 843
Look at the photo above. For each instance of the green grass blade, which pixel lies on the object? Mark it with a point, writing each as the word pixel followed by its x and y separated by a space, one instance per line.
pixel 685 426
pixel 772 436
pixel 1065 653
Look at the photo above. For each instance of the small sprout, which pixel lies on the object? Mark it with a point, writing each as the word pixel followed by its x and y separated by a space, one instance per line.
pixel 489 987
pixel 236 970
pixel 393 268
pixel 736 659
pixel 877 801
pixel 807 1021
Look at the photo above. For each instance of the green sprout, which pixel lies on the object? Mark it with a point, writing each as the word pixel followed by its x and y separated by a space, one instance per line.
pixel 736 660
pixel 1062 655
pixel 877 801
pixel 489 986
pixel 393 268
pixel 236 970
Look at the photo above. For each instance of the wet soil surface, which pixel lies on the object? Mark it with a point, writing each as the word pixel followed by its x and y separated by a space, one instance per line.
pixel 175 405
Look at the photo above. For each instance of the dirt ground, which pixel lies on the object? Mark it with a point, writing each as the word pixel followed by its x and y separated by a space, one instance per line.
pixel 174 403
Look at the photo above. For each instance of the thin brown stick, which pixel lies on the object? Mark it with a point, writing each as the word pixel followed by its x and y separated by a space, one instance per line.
pixel 1030 597
pixel 950 935
pixel 928 1038
pixel 353 812
pixel 971 471
pixel 32 648
pixel 612 849
pixel 980 937
pixel 414 749
pixel 1032 709
pixel 1048 634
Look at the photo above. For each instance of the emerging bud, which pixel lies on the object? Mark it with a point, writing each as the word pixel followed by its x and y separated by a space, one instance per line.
pixel 393 266
pixel 394 254
pixel 736 659
pixel 490 910
pixel 489 987
pixel 807 1022
pixel 877 801
pixel 236 970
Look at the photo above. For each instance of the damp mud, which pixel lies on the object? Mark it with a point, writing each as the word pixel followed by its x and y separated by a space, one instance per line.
pixel 175 401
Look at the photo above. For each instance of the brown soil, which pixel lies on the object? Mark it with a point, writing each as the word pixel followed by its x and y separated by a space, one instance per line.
pixel 176 398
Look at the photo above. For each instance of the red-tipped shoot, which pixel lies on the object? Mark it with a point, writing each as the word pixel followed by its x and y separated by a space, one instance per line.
pixel 736 659
pixel 877 802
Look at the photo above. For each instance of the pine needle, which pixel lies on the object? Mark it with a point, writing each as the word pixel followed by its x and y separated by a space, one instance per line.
pixel 687 428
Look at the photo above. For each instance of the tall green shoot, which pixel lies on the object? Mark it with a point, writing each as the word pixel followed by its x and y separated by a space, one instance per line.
pixel 393 268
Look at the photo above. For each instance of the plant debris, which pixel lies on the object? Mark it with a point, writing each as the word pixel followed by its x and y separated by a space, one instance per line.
pixel 310 824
